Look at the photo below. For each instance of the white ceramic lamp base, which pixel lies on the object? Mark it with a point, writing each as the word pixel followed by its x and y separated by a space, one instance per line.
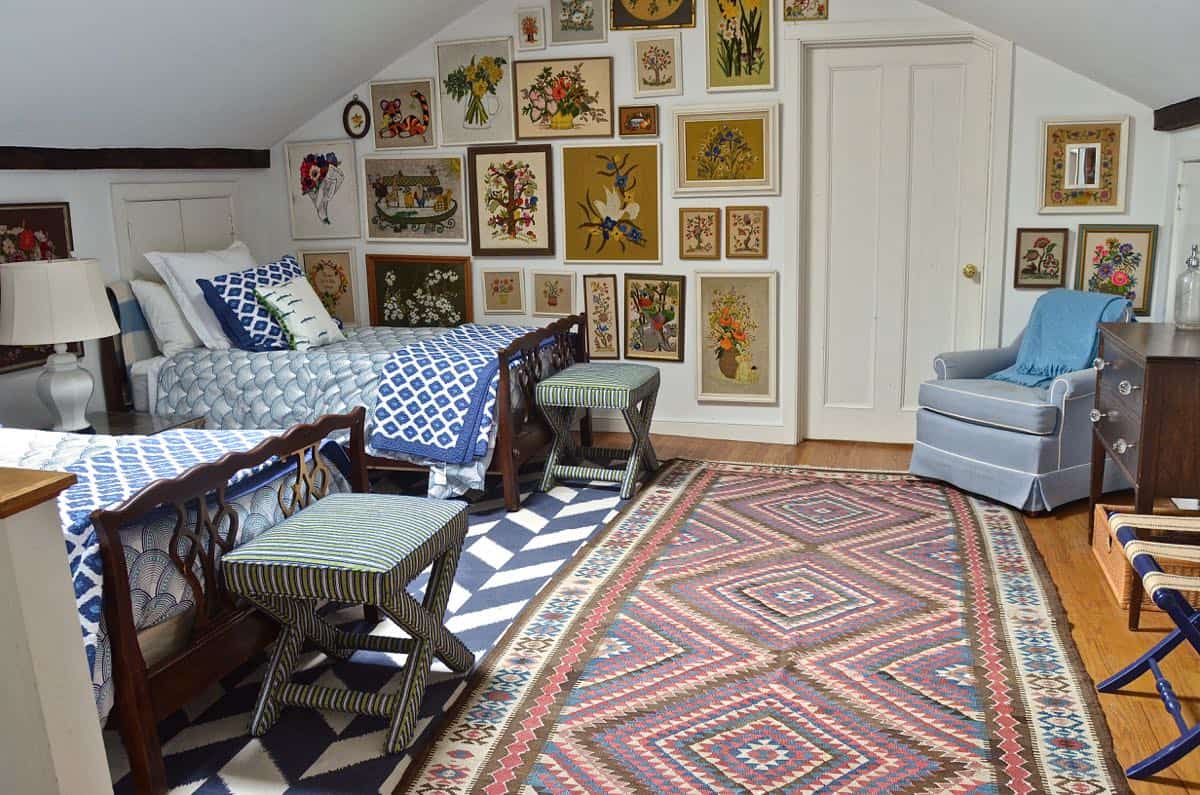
pixel 65 388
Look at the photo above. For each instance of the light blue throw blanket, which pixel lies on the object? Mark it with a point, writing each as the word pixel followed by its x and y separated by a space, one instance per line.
pixel 1061 336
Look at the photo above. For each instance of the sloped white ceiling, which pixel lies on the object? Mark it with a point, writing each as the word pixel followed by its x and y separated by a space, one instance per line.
pixel 239 73
pixel 1148 51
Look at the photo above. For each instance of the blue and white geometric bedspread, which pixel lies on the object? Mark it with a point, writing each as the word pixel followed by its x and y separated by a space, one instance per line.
pixel 437 397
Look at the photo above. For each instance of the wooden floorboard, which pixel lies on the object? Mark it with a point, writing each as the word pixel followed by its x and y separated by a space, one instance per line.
pixel 1138 723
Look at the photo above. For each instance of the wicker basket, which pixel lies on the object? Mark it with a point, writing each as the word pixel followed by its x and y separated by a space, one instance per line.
pixel 1117 571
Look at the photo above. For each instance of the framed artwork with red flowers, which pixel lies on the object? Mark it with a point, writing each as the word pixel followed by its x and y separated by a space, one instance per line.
pixel 1117 259
pixel 1084 166
pixel 322 189
pixel 1041 259
pixel 564 98
pixel 805 10
pixel 512 200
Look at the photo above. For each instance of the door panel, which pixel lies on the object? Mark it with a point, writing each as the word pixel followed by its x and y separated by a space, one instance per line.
pixel 207 223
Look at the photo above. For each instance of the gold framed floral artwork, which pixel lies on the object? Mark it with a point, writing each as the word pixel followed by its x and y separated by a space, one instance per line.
pixel 475 96
pixel 403 113
pixel 1084 166
pixel 699 233
pixel 727 151
pixel 331 274
pixel 654 317
pixel 657 65
pixel 512 200
pixel 739 44
pixel 1117 259
pixel 611 203
pixel 564 98
pixel 805 10
pixel 503 290
pixel 737 323
pixel 746 232
pixel 644 14
pixel 602 303
pixel 553 293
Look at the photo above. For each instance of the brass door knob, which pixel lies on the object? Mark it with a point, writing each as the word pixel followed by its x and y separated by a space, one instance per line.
pixel 970 271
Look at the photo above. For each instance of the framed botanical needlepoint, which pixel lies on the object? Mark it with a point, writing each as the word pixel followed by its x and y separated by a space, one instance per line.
pixel 1084 166
pixel 1118 260
pixel 322 189
pixel 737 317
pixel 565 98
pixel 727 150
pixel 414 199
pixel 414 291
pixel 503 291
pixel 578 21
pixel 331 274
pixel 475 94
pixel 635 120
pixel 553 293
pixel 403 113
pixel 531 28
pixel 699 233
pixel 657 65
pixel 642 14
pixel 512 200
pixel 601 302
pixel 611 207
pixel 805 10
pixel 739 38
pixel 746 232
pixel 1041 258
pixel 654 317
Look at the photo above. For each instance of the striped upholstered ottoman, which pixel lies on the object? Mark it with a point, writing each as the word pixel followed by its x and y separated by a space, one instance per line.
pixel 364 549
pixel 632 388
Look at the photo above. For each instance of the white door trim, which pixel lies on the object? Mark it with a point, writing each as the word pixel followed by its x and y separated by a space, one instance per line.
pixel 799 41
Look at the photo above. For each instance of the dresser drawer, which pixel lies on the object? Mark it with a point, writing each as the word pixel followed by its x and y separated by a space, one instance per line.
pixel 1121 380
pixel 1117 426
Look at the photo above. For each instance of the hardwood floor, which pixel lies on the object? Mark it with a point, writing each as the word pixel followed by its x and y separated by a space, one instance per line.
pixel 1136 718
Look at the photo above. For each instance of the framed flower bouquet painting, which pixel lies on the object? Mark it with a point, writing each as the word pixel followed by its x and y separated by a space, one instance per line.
pixel 531 28
pixel 331 274
pixel 643 14
pixel 1118 260
pixel 564 98
pixel 739 42
pixel 611 203
pixel 512 200
pixel 737 316
pixel 552 292
pixel 414 199
pixel 1084 166
pixel 654 317
pixel 403 113
pixel 503 291
pixel 1041 256
pixel 699 233
pixel 578 21
pixel 414 291
pixel 657 65
pixel 475 95
pixel 601 302
pixel 727 150
pixel 805 10
pixel 322 189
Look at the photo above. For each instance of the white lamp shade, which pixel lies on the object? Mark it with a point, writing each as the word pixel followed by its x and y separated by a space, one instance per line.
pixel 45 302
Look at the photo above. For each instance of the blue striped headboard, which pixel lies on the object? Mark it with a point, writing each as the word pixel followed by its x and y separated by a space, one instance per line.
pixel 118 353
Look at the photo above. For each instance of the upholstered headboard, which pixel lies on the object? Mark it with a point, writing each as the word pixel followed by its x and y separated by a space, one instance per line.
pixel 118 353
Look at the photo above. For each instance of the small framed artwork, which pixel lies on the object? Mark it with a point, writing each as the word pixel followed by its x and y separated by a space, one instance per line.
pixel 512 200
pixel 331 274
pixel 553 293
pixel 531 28
pixel 1117 259
pixel 746 232
pixel 739 45
pixel 1084 166
pixel 417 291
pixel 503 291
pixel 475 95
pixel 699 233
pixel 737 326
pixel 356 118
pixel 578 21
pixel 805 10
pixel 726 151
pixel 601 302
pixel 322 189
pixel 564 98
pixel 633 120
pixel 641 15
pixel 657 65
pixel 611 203
pixel 403 110
pixel 1041 258
pixel 414 199
pixel 654 317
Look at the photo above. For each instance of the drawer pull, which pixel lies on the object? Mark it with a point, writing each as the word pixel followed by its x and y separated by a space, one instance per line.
pixel 1126 388
pixel 1095 415
pixel 1099 363
pixel 1120 446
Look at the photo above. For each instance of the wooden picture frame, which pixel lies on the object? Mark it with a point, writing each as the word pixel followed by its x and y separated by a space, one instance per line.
pixel 528 188
pixel 652 55
pixel 386 296
pixel 531 28
pixel 356 118
pixel 578 22
pixel 602 308
pixel 727 150
pixel 634 121
pixel 551 293
pixel 535 82
pixel 699 233
pixel 1040 258
pixel 746 232
pixel 414 198
pixel 1085 165
pixel 589 184
pixel 465 118
pixel 322 184
pixel 499 286
pixel 331 273
pixel 728 29
pixel 404 113
pixel 806 10
pixel 666 14
pixel 737 323
pixel 1104 266
pixel 654 308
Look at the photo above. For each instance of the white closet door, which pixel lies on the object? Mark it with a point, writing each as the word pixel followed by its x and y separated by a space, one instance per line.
pixel 207 223
pixel 153 226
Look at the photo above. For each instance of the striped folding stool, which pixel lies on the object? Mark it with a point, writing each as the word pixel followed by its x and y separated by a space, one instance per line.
pixel 362 549
pixel 632 388
pixel 1172 538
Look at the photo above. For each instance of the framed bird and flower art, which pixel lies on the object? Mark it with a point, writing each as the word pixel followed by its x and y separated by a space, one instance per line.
pixel 564 98
pixel 654 317
pixel 611 205
pixel 322 189
pixel 512 200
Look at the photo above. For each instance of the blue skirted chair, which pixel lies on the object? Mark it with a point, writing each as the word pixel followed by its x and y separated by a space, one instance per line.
pixel 1013 423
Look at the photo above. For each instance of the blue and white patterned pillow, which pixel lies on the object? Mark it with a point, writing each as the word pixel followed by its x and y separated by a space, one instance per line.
pixel 248 323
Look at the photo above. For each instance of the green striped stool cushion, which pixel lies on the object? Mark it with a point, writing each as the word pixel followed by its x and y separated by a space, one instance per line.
pixel 351 547
pixel 599 386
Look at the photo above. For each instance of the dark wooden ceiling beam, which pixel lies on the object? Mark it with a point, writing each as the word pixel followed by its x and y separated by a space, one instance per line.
pixel 37 158
pixel 1178 116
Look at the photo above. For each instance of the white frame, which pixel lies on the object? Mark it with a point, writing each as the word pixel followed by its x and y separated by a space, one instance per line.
pixel 701 315
pixel 601 14
pixel 1122 168
pixel 563 193
pixel 351 180
pixel 768 186
pixel 769 7
pixel 569 276
pixel 352 274
pixel 463 198
pixel 435 118
pixel 132 264
pixel 525 11
pixel 483 293
pixel 679 73
pixel 505 95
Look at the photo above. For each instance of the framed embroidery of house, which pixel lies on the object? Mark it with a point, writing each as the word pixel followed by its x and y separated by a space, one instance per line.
pixel 564 98
pixel 611 203
pixel 512 200
pixel 1117 259
pixel 723 151
pixel 403 113
pixel 553 293
pixel 503 291
pixel 1041 256
pixel 414 199
pixel 1084 166
pixel 739 44
pixel 805 10
pixel 331 274
pixel 416 291
pixel 746 232
pixel 738 319
pixel 322 189
pixel 654 317
pixel 643 14
pixel 578 21
pixel 531 28
pixel 699 233
pixel 601 302
pixel 475 94
pixel 636 120
pixel 657 65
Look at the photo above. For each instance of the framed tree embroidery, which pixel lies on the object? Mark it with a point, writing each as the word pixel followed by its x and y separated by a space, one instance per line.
pixel 699 233
pixel 746 232
pixel 512 200
pixel 657 65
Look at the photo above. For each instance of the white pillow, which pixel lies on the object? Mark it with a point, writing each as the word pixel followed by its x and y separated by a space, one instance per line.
pixel 170 330
pixel 306 323
pixel 180 270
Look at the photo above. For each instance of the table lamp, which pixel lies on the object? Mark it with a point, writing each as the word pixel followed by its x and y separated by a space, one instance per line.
pixel 56 302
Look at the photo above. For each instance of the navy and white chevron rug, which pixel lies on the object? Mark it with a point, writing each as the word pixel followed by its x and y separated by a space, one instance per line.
pixel 507 559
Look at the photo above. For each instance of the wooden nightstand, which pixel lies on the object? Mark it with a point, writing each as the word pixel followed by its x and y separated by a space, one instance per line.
pixel 121 423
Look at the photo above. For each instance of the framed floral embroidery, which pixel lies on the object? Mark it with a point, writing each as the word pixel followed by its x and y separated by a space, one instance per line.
pixel 1118 260
pixel 553 293
pixel 805 10
pixel 699 233
pixel 322 189
pixel 512 200
pixel 1041 256
pixel 601 302
pixel 739 41
pixel 738 319
pixel 331 274
pixel 564 98
pixel 1084 166
pixel 503 291
pixel 657 65
pixel 475 95
pixel 746 232
pixel 612 203
pixel 417 290
pixel 725 151
pixel 531 28
pixel 578 21
pixel 654 317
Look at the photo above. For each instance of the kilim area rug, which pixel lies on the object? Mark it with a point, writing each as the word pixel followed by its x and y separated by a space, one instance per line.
pixel 752 628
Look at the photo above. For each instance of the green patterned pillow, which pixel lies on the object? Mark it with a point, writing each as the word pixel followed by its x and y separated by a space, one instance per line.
pixel 305 321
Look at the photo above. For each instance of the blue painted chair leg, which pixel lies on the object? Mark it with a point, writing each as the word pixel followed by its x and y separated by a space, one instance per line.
pixel 1142 664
